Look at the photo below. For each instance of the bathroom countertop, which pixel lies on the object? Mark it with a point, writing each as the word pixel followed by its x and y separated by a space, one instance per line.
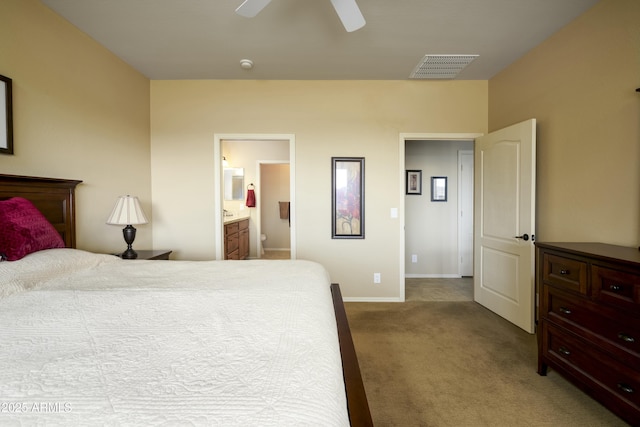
pixel 234 218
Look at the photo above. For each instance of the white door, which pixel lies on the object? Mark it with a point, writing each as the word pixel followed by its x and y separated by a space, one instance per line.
pixel 504 223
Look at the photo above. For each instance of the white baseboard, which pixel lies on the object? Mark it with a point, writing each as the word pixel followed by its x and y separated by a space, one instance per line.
pixel 432 276
pixel 370 299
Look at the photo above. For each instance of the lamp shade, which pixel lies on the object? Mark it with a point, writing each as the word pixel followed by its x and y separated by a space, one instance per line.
pixel 127 211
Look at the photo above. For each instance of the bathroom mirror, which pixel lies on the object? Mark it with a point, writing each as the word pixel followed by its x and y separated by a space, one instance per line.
pixel 233 183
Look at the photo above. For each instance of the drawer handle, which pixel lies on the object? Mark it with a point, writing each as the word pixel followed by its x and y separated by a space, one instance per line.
pixel 564 310
pixel 564 272
pixel 564 351
pixel 626 338
pixel 615 288
pixel 626 388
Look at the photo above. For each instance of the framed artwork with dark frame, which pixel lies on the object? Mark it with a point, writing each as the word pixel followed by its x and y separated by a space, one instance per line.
pixel 414 182
pixel 6 116
pixel 347 197
pixel 438 188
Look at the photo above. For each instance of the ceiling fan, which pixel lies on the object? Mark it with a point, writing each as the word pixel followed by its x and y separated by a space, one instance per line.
pixel 347 10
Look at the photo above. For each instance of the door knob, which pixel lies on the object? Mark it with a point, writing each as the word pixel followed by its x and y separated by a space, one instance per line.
pixel 524 237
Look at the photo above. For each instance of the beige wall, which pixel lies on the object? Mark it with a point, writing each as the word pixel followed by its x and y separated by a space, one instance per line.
pixel 328 118
pixel 79 113
pixel 580 85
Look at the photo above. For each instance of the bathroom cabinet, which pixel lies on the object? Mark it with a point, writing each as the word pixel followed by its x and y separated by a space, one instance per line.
pixel 236 239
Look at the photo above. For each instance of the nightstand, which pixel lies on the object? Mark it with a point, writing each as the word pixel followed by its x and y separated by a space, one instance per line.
pixel 159 254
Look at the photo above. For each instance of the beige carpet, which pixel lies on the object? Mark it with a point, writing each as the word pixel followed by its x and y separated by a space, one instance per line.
pixel 443 363
pixel 430 289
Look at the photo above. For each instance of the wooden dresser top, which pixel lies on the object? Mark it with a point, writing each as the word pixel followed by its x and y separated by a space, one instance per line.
pixel 602 251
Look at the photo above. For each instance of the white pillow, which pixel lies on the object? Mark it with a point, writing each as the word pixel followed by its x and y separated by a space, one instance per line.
pixel 36 269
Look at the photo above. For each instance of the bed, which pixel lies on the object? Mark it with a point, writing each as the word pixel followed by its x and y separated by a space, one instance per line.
pixel 92 339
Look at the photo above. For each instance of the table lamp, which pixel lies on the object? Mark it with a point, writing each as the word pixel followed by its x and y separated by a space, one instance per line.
pixel 128 211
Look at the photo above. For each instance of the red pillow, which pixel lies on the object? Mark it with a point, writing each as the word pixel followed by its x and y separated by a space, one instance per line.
pixel 23 230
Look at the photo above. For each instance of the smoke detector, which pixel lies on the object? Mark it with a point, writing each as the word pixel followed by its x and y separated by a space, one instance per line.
pixel 441 66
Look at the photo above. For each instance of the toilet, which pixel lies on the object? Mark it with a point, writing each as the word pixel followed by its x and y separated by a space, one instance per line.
pixel 263 237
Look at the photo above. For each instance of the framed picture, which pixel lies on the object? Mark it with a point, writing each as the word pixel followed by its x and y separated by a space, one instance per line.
pixel 414 182
pixel 438 188
pixel 6 116
pixel 347 197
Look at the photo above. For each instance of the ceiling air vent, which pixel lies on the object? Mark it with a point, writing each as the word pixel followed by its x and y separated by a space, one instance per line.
pixel 441 66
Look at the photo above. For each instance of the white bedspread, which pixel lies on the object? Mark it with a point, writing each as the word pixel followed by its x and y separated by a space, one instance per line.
pixel 222 343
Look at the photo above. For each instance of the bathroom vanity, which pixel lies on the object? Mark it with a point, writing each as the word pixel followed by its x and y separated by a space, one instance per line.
pixel 236 238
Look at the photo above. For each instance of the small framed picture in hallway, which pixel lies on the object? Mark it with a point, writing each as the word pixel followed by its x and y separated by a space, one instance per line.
pixel 438 188
pixel 414 182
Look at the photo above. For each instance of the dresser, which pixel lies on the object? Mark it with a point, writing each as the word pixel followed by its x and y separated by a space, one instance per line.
pixel 236 239
pixel 589 320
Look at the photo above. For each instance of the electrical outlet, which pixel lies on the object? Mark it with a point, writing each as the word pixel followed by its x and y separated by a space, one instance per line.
pixel 414 258
pixel 376 278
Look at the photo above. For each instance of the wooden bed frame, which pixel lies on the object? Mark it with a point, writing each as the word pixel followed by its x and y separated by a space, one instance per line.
pixel 55 198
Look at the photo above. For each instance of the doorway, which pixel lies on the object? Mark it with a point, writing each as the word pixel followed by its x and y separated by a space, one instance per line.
pixel 420 260
pixel 439 220
pixel 273 228
pixel 504 218
pixel 249 149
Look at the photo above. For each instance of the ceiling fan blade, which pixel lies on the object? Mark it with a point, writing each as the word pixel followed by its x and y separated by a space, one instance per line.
pixel 250 8
pixel 349 14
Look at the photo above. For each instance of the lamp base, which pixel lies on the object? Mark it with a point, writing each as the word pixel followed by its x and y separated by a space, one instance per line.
pixel 129 254
pixel 129 233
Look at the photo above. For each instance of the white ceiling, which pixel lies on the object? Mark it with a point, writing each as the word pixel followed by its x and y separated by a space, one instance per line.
pixel 304 39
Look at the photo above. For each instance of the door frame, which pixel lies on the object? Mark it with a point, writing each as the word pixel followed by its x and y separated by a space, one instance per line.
pixel 403 137
pixel 218 181
pixel 463 191
pixel 259 165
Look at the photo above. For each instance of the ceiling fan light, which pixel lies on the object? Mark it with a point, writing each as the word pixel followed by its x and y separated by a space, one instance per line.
pixel 250 8
pixel 349 14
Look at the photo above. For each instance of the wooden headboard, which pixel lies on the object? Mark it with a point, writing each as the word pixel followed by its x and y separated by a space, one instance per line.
pixel 53 197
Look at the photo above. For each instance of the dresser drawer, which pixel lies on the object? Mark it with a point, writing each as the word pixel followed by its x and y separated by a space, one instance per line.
pixel 616 287
pixel 617 334
pixel 566 273
pixel 609 378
